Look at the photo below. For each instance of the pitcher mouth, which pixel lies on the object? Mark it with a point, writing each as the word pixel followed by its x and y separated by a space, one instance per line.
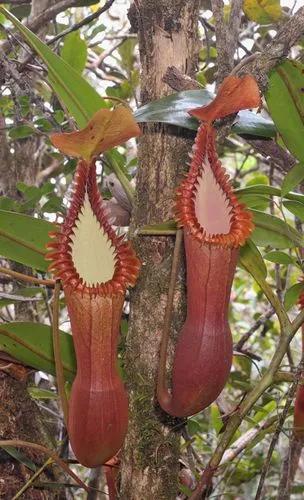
pixel 86 253
pixel 206 205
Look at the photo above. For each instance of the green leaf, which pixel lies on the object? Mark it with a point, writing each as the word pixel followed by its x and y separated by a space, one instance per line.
pixel 264 412
pixel 80 98
pixel 296 208
pixel 23 239
pixel 74 51
pixel 263 11
pixel 32 345
pixel 279 258
pixel 260 202
pixel 293 178
pixel 173 109
pixel 59 116
pixel 267 190
pixel 43 124
pixel 20 456
pixel 251 260
pixel 285 99
pixel 21 132
pixel 38 393
pixel 216 420
pixel 54 204
pixel 292 295
pixel 271 230
pixel 168 227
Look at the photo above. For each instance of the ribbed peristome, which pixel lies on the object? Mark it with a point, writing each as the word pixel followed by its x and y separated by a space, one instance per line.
pixel 60 249
pixel 241 224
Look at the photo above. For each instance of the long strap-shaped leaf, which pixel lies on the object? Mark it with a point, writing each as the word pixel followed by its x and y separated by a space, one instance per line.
pixel 31 344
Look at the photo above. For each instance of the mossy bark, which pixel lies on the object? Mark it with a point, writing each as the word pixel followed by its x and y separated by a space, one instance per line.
pixel 167 35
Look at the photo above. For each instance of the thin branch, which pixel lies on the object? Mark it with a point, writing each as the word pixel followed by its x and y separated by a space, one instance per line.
pixel 289 398
pixel 243 442
pixel 26 278
pixel 226 35
pixel 287 333
pixel 289 467
pixel 260 322
pixel 50 13
pixel 83 22
pixel 287 36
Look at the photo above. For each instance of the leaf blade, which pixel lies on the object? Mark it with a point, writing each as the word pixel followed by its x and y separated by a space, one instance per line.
pixel 31 344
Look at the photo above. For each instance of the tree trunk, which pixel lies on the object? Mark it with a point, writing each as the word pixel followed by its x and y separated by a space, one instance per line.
pixel 167 35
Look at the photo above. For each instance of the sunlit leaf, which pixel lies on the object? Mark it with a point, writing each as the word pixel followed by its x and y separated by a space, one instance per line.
pixel 216 420
pixel 264 412
pixel 106 129
pixel 259 202
pixel 263 11
pixel 295 207
pixel 32 345
pixel 293 178
pixel 74 51
pixel 271 230
pixel 285 99
pixel 279 258
pixel 292 295
pixel 251 260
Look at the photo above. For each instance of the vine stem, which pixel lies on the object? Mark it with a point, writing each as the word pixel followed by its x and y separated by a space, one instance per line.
pixel 162 386
pixel 28 279
pixel 57 356
pixel 18 443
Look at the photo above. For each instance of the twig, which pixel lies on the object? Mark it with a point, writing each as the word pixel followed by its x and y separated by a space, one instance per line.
pixel 289 467
pixel 287 333
pixel 106 53
pixel 57 354
pixel 260 322
pixel 289 398
pixel 18 298
pixel 226 35
pixel 83 22
pixel 240 444
pixel 28 279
